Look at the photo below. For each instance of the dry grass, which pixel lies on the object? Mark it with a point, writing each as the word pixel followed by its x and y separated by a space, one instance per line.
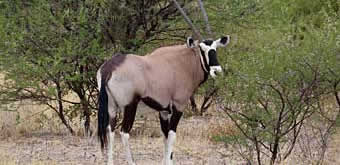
pixel 27 119
pixel 41 139
pixel 5 160
pixel 37 137
pixel 334 150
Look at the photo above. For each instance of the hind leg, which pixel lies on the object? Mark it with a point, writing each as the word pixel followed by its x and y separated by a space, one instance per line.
pixel 111 137
pixel 129 118
pixel 113 108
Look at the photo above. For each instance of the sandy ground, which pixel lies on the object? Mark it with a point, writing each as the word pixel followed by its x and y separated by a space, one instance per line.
pixel 191 148
pixel 42 139
pixel 33 143
pixel 75 150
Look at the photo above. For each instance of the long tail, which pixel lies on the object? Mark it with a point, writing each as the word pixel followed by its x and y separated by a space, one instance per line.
pixel 103 115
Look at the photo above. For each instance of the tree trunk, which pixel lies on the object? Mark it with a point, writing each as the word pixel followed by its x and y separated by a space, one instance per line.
pixel 87 116
pixel 64 121
pixel 258 151
pixel 208 100
pixel 61 109
pixel 337 98
pixel 275 150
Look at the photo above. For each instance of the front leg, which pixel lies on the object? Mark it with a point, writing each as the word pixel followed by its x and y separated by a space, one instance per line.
pixel 169 126
pixel 164 120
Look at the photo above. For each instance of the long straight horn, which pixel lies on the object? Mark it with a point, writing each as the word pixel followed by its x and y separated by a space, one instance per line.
pixel 187 19
pixel 205 16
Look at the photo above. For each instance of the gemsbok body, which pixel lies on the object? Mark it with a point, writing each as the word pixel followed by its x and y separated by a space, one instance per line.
pixel 164 80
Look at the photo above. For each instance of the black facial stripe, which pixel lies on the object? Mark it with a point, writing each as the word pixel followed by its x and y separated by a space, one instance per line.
pixel 208 42
pixel 204 60
pixel 213 58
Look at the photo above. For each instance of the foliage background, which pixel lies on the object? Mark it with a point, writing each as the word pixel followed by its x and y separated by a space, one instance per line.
pixel 281 67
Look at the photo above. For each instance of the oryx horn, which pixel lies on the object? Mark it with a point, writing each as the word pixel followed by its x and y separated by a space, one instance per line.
pixel 205 17
pixel 187 19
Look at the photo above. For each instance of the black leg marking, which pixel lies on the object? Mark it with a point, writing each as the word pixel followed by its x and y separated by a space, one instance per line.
pixel 167 125
pixel 152 103
pixel 171 155
pixel 164 125
pixel 129 116
pixel 175 117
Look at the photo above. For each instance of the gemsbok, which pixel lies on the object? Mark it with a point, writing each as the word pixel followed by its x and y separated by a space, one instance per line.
pixel 164 80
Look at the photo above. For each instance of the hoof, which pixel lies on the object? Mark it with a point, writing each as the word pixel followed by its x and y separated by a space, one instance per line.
pixel 169 162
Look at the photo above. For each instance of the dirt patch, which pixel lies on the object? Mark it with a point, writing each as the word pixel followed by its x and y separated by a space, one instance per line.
pixel 41 140
pixel 190 149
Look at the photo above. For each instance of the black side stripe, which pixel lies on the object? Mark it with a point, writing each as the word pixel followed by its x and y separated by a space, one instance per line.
pixel 204 60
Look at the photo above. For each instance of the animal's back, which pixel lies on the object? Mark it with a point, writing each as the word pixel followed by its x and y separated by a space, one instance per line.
pixel 163 75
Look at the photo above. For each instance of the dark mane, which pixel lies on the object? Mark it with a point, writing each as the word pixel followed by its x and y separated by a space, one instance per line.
pixel 110 65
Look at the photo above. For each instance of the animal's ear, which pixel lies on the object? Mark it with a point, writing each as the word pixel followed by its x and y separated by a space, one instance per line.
pixel 190 42
pixel 223 41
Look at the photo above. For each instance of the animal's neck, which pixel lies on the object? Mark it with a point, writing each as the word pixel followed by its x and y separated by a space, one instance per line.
pixel 199 76
pixel 201 69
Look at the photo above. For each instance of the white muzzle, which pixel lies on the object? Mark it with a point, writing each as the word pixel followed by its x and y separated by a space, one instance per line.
pixel 214 69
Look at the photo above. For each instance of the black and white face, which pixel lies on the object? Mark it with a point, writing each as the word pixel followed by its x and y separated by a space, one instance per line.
pixel 209 54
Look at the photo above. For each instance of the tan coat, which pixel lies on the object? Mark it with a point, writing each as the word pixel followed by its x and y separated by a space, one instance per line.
pixel 168 74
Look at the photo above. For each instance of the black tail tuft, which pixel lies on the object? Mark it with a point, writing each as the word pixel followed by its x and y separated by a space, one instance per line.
pixel 103 115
